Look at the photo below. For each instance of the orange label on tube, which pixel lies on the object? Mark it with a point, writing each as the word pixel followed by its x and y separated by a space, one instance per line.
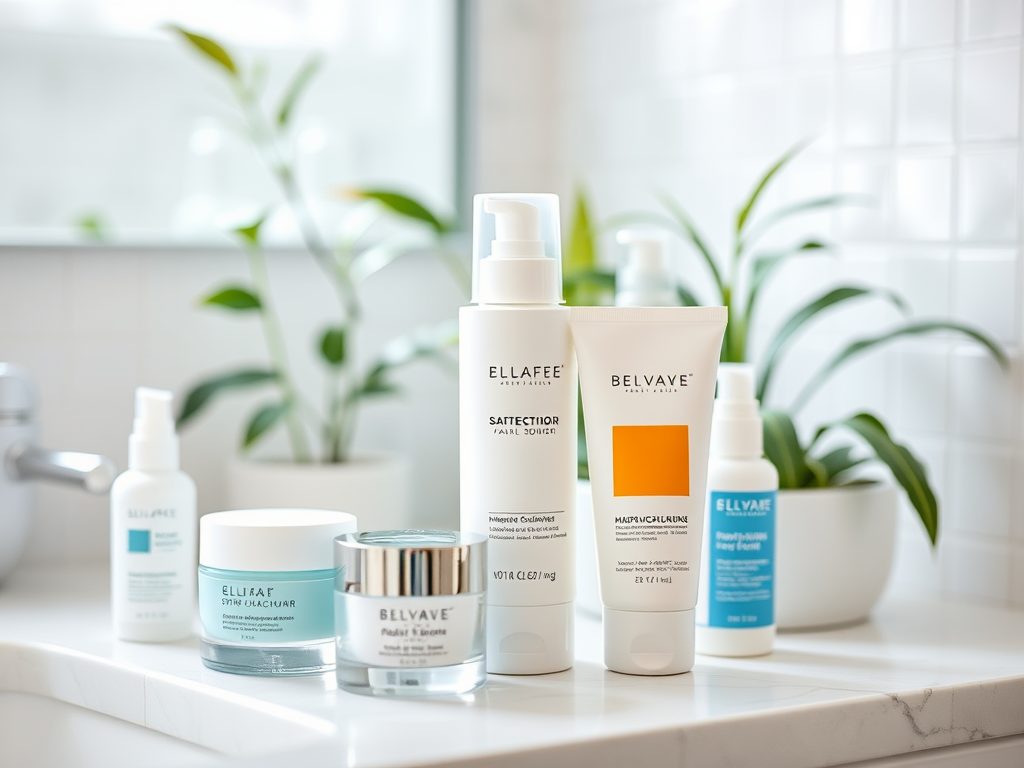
pixel 651 460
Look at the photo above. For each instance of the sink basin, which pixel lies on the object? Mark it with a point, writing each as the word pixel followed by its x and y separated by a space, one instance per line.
pixel 64 708
pixel 44 732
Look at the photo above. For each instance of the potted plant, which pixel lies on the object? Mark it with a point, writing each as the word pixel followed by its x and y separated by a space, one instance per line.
pixel 835 524
pixel 321 470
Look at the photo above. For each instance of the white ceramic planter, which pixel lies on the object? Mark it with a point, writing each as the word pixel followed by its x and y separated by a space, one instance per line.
pixel 372 486
pixel 833 553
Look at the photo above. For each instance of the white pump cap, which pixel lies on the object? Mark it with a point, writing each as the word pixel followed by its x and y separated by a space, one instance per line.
pixel 644 280
pixel 516 249
pixel 736 427
pixel 153 445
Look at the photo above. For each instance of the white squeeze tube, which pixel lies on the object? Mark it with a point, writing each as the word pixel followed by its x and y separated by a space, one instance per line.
pixel 647 376
pixel 517 426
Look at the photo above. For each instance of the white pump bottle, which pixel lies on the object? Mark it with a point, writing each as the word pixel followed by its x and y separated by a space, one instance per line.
pixel 517 414
pixel 736 594
pixel 153 530
pixel 644 280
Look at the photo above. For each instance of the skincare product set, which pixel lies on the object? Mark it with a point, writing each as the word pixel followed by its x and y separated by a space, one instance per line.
pixel 297 591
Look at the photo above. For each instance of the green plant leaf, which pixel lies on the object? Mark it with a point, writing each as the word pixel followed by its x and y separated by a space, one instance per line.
pixel 906 468
pixel 298 84
pixel 402 205
pixel 783 449
pixel 377 257
pixel 802 316
pixel 426 342
pixel 332 346
pixel 763 266
pixel 762 225
pixel 838 461
pixel 208 47
pixel 201 394
pixel 686 296
pixel 250 234
pixel 234 297
pixel 581 255
pixel 265 418
pixel 91 226
pixel 689 231
pixel 600 279
pixel 748 207
pixel 912 328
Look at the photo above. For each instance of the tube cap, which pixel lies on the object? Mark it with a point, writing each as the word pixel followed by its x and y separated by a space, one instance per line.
pixel 648 642
pixel 530 640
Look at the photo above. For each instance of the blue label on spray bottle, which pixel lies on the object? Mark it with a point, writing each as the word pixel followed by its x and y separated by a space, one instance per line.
pixel 741 548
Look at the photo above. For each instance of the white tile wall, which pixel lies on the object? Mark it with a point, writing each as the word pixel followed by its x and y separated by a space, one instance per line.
pixel 92 324
pixel 916 104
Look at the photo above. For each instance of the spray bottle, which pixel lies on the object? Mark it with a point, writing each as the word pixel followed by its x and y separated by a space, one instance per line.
pixel 153 530
pixel 736 596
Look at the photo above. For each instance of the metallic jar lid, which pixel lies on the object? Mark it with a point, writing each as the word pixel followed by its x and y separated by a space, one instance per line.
pixel 411 563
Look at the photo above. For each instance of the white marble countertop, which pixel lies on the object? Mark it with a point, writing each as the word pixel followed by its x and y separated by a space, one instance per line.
pixel 919 675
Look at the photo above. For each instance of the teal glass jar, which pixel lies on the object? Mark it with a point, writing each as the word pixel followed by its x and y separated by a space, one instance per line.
pixel 266 590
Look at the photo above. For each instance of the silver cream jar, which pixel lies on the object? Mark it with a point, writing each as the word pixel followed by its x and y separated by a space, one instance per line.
pixel 410 612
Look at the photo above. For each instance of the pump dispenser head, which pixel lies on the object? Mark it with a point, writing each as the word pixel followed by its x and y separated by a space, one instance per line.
pixel 516 249
pixel 736 426
pixel 644 280
pixel 153 444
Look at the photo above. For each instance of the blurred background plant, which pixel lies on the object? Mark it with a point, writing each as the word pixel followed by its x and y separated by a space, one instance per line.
pixel 345 265
pixel 738 283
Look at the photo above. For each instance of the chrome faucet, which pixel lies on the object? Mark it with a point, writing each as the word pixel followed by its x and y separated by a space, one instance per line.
pixel 22 461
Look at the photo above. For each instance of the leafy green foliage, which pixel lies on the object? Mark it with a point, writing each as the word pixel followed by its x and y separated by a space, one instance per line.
pixel 209 48
pixel 298 84
pixel 91 226
pixel 201 394
pixel 234 297
pixel 261 422
pixel 250 233
pixel 908 471
pixel 403 205
pixel 912 328
pixel 783 449
pixel 799 319
pixel 344 268
pixel 584 281
pixel 332 346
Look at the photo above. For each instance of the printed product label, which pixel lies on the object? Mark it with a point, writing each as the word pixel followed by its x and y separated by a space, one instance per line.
pixel 271 611
pixel 741 550
pixel 154 586
pixel 409 631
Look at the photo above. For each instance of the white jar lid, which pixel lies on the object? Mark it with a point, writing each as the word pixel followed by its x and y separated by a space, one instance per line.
pixel 271 539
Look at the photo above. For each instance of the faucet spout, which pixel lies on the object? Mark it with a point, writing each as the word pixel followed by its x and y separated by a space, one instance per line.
pixel 90 471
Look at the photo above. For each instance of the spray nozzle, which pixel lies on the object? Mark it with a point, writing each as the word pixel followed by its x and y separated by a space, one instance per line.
pixel 516 228
pixel 736 383
pixel 153 415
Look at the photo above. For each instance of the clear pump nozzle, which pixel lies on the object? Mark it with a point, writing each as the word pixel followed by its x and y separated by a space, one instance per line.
pixel 516 249
pixel 644 280
pixel 516 228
